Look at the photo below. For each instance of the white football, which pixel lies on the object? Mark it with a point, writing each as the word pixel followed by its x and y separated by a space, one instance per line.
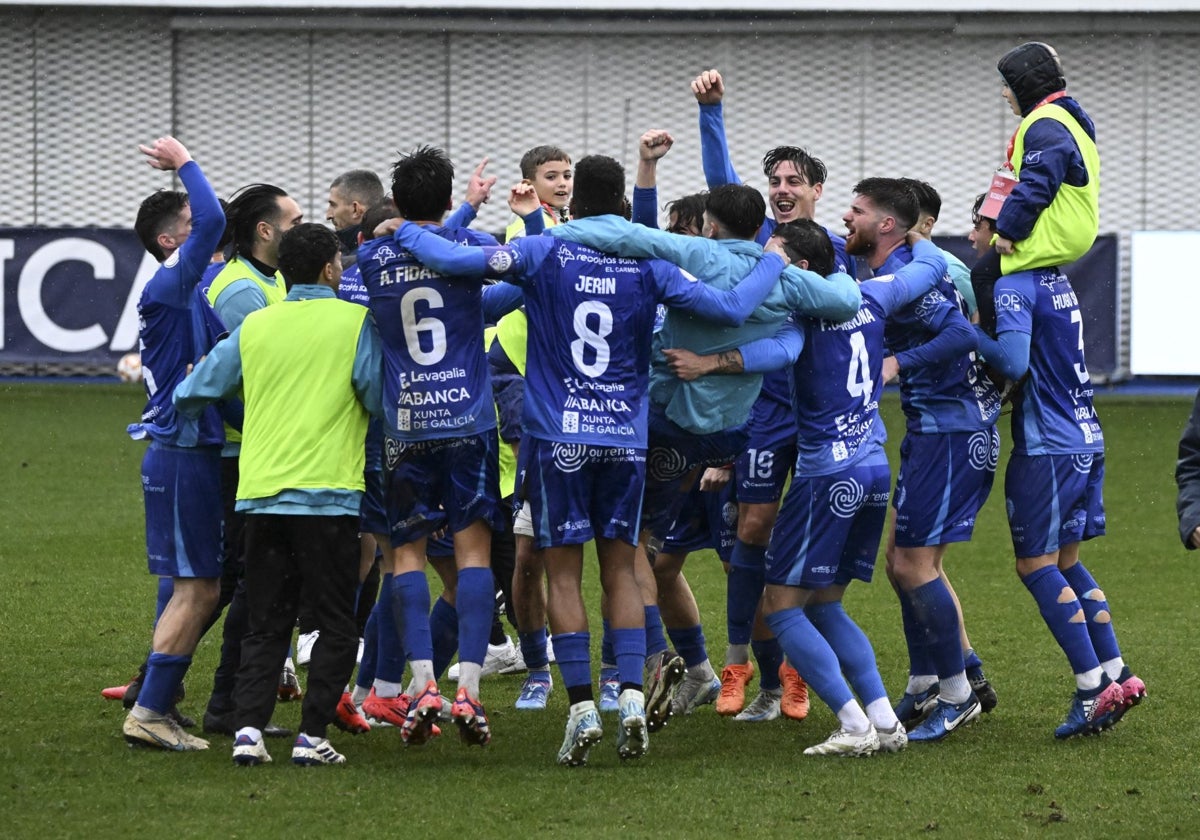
pixel 130 367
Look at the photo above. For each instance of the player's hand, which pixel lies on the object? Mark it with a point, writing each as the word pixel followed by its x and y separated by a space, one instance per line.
pixel 913 237
pixel 715 478
pixel 708 87
pixel 687 365
pixel 166 153
pixel 654 144
pixel 1003 245
pixel 388 227
pixel 523 199
pixel 479 188
pixel 891 368
pixel 1194 539
pixel 775 246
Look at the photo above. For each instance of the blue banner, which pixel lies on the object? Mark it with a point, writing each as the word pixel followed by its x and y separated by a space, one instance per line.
pixel 70 294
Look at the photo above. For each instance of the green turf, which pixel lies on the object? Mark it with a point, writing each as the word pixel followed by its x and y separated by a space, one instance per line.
pixel 76 605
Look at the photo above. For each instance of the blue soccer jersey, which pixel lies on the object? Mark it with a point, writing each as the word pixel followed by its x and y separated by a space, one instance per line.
pixel 591 318
pixel 167 336
pixel 942 388
pixel 837 381
pixel 1054 414
pixel 351 287
pixel 436 380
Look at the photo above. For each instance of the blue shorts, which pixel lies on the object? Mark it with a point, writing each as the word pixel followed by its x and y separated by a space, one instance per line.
pixel 829 527
pixel 943 482
pixel 672 459
pixel 444 483
pixel 1054 500
pixel 577 492
pixel 707 520
pixel 762 470
pixel 372 512
pixel 184 515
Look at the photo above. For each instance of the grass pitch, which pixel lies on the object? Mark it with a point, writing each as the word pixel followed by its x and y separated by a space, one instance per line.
pixel 76 606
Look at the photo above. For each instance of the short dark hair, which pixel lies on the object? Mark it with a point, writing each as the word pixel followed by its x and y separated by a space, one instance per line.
pixel 361 185
pixel 155 214
pixel 599 187
pixel 812 168
pixel 304 252
pixel 739 209
pixel 377 213
pixel 893 196
pixel 422 182
pixel 928 200
pixel 535 157
pixel 804 239
pixel 688 211
pixel 250 205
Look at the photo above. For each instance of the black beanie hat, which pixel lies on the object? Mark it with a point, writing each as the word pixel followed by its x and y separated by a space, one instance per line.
pixel 1032 72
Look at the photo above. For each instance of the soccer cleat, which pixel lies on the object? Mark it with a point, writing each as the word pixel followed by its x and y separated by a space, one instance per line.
pixel 1132 687
pixel 734 679
pixel 160 732
pixel 134 688
pixel 945 718
pixel 892 740
pixel 420 726
pixel 694 692
pixel 536 691
pixel 764 707
pixel 1092 711
pixel 846 743
pixel 666 670
pixel 289 683
pixel 386 711
pixel 472 721
pixel 248 752
pixel 610 689
pixel 583 732
pixel 983 689
pixel 348 718
pixel 504 658
pixel 186 721
pixel 794 703
pixel 115 692
pixel 304 646
pixel 633 737
pixel 310 752
pixel 913 708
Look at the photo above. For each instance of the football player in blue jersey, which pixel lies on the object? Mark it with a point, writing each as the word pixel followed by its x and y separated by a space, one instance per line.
pixel 181 471
pixel 832 516
pixel 1053 487
pixel 947 460
pixel 440 444
pixel 591 317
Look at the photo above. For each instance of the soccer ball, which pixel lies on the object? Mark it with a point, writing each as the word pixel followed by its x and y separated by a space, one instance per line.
pixel 130 367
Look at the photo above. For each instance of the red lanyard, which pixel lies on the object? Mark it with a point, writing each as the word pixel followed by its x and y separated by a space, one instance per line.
pixel 1012 141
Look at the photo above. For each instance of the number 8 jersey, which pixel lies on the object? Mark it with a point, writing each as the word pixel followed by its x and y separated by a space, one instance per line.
pixel 436 382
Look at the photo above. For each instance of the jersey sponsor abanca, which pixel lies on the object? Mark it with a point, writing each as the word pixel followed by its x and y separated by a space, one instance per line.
pixel 436 382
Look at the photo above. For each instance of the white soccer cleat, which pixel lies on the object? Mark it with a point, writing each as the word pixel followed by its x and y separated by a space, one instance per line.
pixel 846 743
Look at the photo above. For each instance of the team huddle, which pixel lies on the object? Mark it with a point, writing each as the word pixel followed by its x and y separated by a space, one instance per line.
pixel 327 405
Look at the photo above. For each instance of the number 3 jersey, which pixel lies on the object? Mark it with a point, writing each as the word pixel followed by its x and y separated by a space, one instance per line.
pixel 436 382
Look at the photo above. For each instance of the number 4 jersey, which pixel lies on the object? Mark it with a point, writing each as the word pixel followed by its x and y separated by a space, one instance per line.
pixel 436 382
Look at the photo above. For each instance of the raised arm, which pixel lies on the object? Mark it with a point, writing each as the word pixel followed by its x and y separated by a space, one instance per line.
pixel 913 280
pixel 727 308
pixel 709 90
pixel 652 146
pixel 479 190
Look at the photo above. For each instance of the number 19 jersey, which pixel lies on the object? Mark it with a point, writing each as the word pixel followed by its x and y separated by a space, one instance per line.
pixel 436 382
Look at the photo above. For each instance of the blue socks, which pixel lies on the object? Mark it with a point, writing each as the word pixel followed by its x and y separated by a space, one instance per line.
pixel 370 656
pixel 629 647
pixel 769 656
pixel 689 643
pixel 1058 604
pixel 164 673
pixel 389 661
pixel 533 649
pixel 572 653
pixel 854 653
pixel 443 628
pixel 936 623
pixel 743 589
pixel 476 601
pixel 1095 610
pixel 811 655
pixel 410 595
pixel 920 660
